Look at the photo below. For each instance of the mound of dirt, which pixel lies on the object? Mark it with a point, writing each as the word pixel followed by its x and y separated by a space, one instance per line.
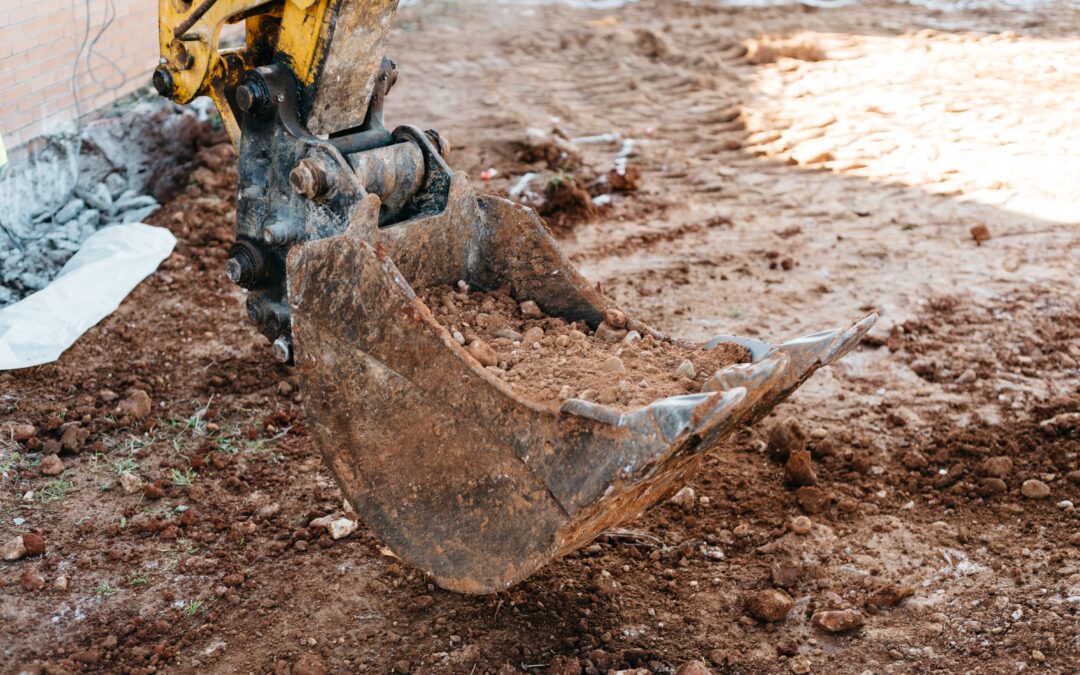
pixel 548 360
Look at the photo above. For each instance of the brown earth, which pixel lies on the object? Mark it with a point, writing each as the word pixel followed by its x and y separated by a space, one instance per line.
pixel 865 167
pixel 548 361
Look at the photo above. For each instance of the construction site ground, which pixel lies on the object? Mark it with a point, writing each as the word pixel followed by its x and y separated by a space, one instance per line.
pixel 800 167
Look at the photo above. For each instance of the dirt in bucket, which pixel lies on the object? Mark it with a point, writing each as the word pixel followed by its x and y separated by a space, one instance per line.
pixel 549 360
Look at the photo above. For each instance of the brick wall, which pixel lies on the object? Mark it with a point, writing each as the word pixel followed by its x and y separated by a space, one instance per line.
pixel 39 50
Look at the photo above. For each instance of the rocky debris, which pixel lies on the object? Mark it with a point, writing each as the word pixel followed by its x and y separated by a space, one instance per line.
pixel 997 467
pixel 686 369
pixel 769 605
pixel 694 668
pixel 130 483
pixel 801 525
pixel 31 579
pixel 786 573
pixel 888 596
pixel 137 405
pixel 980 233
pixel 914 460
pixel 72 437
pixel 420 603
pixel 564 665
pixel 51 465
pixel 1033 488
pixel 992 486
pixel 837 620
pixel 61 583
pixel 785 437
pixel 482 352
pixel 605 583
pixel 799 469
pixel 613 364
pixel 1073 477
pixel 684 498
pixel 13 549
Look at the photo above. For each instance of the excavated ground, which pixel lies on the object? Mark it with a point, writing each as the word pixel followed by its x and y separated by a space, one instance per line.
pixel 795 168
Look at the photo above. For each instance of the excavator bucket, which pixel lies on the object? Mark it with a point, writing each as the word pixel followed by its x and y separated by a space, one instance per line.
pixel 457 474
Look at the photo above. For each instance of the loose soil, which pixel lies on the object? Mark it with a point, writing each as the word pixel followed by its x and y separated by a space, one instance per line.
pixel 548 361
pixel 866 169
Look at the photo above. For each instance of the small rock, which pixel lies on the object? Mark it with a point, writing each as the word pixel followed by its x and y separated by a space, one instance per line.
pixel 992 486
pixel 769 605
pixel 562 341
pixel 693 668
pixel 154 490
pixel 482 352
pixel 837 620
pixel 72 437
pixel 998 467
pixel 1035 489
pixel 632 337
pixel 812 499
pixel 459 338
pixel 97 197
pixel 13 549
pixel 684 498
pixel 613 364
pixel 130 483
pixel 800 665
pixel 605 584
pixel 51 465
pixel 69 211
pixel 889 596
pixel 338 528
pixel 564 665
pixel 511 335
pixel 967 377
pixel 801 525
pixel 615 318
pixel 61 583
pixel 784 437
pixel 686 369
pixel 136 405
pixel 31 579
pixel 610 334
pixel 421 603
pixel 799 469
pixel 742 530
pixel 34 543
pixel 1073 477
pixel 530 310
pixel 565 392
pixel 980 233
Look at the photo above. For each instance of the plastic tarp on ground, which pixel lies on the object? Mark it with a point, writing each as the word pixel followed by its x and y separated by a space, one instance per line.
pixel 108 265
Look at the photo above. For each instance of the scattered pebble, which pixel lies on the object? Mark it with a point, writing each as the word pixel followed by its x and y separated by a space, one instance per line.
pixel 784 437
pixel 785 573
pixel 482 352
pixel 799 469
pixel 980 233
pixel 61 583
pixel 686 369
pixel 812 499
pixel 130 483
pixel 615 318
pixel 32 580
pixel 20 432
pixel 1034 488
pixel 997 467
pixel 693 668
pixel 801 525
pixel 769 605
pixel 530 310
pixel 605 584
pixel 339 527
pixel 837 620
pixel 914 460
pixel 34 543
pixel 800 665
pixel 13 549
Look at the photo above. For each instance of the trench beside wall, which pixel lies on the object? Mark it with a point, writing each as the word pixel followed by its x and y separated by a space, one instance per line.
pixel 56 52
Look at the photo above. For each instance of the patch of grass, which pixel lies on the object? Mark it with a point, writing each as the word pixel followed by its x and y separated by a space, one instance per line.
pixel 737 313
pixel 125 465
pixel 559 178
pixel 139 579
pixel 190 428
pixel 192 607
pixel 104 590
pixel 9 462
pixel 55 490
pixel 183 479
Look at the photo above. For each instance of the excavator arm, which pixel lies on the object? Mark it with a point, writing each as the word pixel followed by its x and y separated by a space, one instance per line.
pixel 340 221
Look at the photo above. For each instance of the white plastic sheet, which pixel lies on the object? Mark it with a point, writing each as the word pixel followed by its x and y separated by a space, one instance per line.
pixel 108 265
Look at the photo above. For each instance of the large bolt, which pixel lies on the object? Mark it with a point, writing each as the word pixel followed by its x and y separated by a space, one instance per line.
pixel 276 234
pixel 310 178
pixel 246 265
pixel 282 348
pixel 253 97
pixel 440 142
pixel 163 82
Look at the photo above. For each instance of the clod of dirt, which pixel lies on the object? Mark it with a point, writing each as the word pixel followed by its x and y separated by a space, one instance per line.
pixel 566 203
pixel 997 467
pixel 19 432
pixel 888 596
pixel 980 233
pixel 605 584
pixel 837 620
pixel 51 465
pixel 785 437
pixel 551 354
pixel 553 149
pixel 624 178
pixel 990 486
pixel 32 580
pixel 61 583
pixel 309 664
pixel 800 665
pixel 769 605
pixel 799 469
pixel 813 499
pixel 13 549
pixel 564 665
pixel 786 573
pixel 136 405
pixel 34 543
pixel 914 460
pixel 1034 488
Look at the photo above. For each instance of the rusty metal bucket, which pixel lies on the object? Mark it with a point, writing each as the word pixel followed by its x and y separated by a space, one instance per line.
pixel 456 474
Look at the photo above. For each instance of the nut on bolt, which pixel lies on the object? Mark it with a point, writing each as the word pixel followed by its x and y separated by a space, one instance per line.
pixel 311 178
pixel 276 234
pixel 282 348
pixel 163 82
